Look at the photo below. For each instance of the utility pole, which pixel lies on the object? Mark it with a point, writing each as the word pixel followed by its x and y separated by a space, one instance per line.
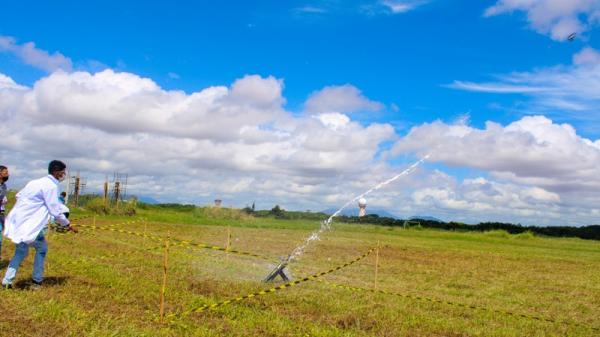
pixel 117 192
pixel 76 190
pixel 106 192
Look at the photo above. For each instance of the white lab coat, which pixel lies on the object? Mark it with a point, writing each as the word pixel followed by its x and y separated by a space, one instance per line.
pixel 36 202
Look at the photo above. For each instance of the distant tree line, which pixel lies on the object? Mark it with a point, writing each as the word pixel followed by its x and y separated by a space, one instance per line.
pixel 280 213
pixel 169 206
pixel 586 232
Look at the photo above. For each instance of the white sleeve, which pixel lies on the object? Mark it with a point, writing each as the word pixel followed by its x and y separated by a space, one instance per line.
pixel 54 206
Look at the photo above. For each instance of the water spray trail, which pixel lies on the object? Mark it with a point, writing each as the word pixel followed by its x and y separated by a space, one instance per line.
pixel 326 224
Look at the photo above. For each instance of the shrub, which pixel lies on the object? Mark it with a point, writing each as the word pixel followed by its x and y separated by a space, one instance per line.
pixel 525 235
pixel 127 207
pixel 221 213
pixel 498 233
pixel 98 206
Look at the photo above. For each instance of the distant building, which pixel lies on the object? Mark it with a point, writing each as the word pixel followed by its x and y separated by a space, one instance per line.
pixel 218 203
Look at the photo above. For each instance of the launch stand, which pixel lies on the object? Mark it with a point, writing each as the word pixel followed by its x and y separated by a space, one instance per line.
pixel 278 271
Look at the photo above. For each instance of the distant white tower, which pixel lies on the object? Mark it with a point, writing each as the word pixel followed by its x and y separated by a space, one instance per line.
pixel 362 207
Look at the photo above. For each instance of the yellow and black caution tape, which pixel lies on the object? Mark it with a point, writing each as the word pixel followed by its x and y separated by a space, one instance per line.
pixel 190 244
pixel 187 250
pixel 124 231
pixel 81 218
pixel 185 243
pixel 62 229
pixel 462 305
pixel 124 223
pixel 118 224
pixel 178 242
pixel 274 289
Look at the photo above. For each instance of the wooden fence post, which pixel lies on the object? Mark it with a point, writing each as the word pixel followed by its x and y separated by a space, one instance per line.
pixel 164 281
pixel 376 264
pixel 228 246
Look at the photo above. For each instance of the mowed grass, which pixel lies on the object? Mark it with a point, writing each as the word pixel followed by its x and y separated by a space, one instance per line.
pixel 105 283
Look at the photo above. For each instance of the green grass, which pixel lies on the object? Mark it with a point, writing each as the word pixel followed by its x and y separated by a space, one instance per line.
pixel 102 283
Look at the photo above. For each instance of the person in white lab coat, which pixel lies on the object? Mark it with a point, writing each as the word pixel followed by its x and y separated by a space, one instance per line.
pixel 26 223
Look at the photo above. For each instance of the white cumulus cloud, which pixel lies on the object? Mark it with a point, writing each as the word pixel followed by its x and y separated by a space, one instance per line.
pixel 239 143
pixel 34 56
pixel 559 166
pixel 557 18
pixel 235 142
pixel 343 99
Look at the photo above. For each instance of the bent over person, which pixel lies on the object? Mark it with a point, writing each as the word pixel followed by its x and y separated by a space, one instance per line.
pixel 3 200
pixel 26 222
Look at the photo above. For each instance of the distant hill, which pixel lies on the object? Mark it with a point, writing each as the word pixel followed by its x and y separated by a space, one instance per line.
pixel 425 217
pixel 148 200
pixel 354 212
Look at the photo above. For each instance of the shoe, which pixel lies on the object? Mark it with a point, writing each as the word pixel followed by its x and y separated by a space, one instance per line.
pixel 7 286
pixel 35 285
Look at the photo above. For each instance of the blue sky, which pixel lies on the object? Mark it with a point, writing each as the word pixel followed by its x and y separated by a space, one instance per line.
pixel 406 64
pixel 403 59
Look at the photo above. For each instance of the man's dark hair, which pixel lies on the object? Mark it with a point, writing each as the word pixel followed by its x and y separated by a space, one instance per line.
pixel 63 194
pixel 55 166
pixel 2 168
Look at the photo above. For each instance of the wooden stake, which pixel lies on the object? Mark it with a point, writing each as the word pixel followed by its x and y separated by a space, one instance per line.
pixel 376 264
pixel 164 282
pixel 228 246
pixel 144 238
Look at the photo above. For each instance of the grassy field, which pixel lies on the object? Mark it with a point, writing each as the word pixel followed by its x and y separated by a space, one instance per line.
pixel 106 283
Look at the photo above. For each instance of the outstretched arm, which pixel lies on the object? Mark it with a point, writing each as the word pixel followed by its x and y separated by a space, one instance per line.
pixel 54 206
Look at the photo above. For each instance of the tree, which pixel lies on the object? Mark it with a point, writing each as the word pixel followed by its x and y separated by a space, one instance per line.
pixel 277 211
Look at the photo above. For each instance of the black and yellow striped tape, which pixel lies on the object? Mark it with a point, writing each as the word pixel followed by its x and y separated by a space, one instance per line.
pixel 274 289
pixel 462 305
pixel 190 244
pixel 178 242
pixel 125 223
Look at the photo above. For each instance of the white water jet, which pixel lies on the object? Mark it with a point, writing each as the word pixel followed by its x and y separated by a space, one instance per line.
pixel 326 224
